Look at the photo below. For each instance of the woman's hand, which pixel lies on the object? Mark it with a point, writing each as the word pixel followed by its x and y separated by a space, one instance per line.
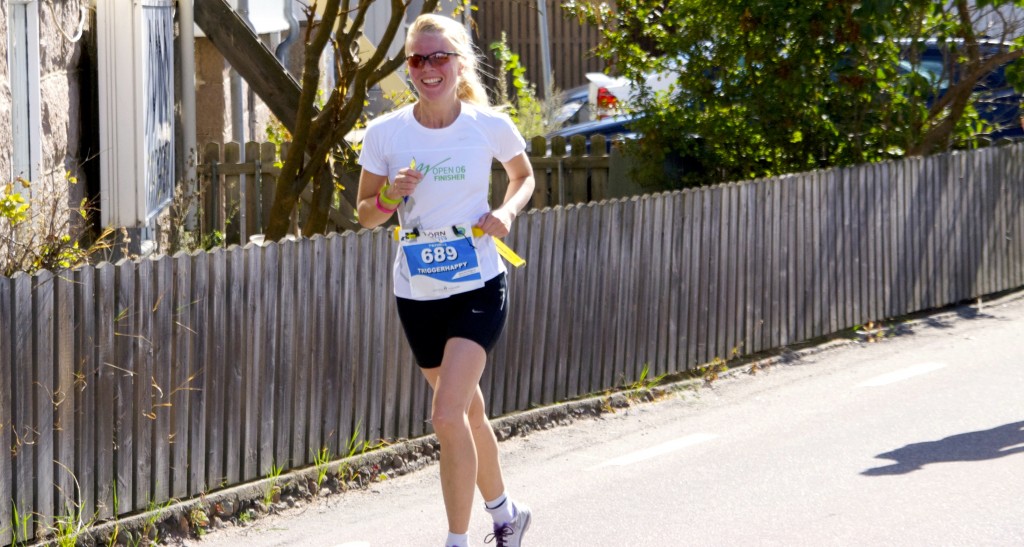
pixel 497 223
pixel 404 184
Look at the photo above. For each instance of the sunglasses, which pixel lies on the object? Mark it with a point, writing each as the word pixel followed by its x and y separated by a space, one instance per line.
pixel 436 59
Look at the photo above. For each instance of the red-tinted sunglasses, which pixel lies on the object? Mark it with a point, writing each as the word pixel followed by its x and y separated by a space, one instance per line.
pixel 436 59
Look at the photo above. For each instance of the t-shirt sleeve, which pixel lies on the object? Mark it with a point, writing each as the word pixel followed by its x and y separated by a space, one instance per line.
pixel 509 143
pixel 371 154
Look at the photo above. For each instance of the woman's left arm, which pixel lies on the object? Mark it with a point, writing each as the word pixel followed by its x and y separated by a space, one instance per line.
pixel 520 189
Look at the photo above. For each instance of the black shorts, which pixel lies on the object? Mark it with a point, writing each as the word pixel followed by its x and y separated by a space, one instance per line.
pixel 477 315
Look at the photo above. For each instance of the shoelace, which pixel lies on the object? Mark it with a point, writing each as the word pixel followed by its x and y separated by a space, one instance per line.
pixel 500 534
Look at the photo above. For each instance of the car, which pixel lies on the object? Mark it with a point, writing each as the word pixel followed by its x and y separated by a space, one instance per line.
pixel 613 128
pixel 995 99
pixel 575 106
pixel 609 94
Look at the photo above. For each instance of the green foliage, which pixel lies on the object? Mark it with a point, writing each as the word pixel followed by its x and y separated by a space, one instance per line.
pixel 321 459
pixel 273 488
pixel 770 87
pixel 532 116
pixel 40 231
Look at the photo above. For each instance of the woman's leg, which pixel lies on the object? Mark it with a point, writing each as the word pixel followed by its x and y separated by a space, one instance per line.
pixel 488 474
pixel 456 386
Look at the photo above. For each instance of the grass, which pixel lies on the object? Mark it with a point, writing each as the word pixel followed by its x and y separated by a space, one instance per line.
pixel 20 525
pixel 321 460
pixel 273 488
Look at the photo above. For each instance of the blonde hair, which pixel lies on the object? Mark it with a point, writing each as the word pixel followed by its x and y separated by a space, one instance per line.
pixel 470 88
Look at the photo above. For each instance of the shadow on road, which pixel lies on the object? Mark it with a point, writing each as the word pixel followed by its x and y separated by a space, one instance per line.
pixel 990 444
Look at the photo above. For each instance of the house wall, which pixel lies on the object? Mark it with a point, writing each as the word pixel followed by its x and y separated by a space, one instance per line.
pixel 213 98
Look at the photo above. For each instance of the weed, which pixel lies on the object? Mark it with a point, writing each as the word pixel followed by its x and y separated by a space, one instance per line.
pixel 644 383
pixel 321 459
pixel 245 517
pixel 39 230
pixel 871 331
pixel 21 525
pixel 710 371
pixel 273 489
pixel 531 115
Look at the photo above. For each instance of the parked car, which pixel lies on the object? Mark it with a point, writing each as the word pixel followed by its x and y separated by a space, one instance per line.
pixel 575 107
pixel 608 94
pixel 995 99
pixel 613 128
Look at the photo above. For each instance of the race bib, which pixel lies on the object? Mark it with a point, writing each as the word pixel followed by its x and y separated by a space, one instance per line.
pixel 441 262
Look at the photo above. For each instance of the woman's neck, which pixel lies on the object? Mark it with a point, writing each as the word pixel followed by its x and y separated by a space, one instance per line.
pixel 436 116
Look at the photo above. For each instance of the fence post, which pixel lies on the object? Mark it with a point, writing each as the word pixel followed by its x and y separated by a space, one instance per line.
pixel 210 190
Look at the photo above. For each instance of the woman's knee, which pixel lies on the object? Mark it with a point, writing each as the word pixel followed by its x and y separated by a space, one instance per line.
pixel 448 421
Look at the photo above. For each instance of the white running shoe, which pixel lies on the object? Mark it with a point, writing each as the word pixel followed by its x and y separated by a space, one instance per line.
pixel 510 534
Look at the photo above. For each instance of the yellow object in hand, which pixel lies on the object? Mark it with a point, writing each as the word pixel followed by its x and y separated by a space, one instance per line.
pixel 505 251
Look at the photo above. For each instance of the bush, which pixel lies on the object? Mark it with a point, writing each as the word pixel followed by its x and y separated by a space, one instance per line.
pixel 41 230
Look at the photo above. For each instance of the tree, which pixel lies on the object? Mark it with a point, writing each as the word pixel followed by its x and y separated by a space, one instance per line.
pixel 773 86
pixel 317 134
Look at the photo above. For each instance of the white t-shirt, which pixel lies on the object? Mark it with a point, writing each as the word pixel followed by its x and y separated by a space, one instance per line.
pixel 456 164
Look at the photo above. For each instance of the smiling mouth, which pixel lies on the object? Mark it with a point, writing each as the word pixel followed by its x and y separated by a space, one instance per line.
pixel 431 81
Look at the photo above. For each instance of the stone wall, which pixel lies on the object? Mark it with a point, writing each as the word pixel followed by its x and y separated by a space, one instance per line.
pixel 6 148
pixel 59 90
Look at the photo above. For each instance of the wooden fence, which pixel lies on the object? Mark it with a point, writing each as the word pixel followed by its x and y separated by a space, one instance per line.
pixel 571 41
pixel 174 376
pixel 237 195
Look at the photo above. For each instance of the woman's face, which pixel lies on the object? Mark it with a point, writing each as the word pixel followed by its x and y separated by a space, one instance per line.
pixel 435 80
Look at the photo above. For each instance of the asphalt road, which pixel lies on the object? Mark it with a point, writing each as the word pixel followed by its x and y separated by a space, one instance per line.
pixel 915 440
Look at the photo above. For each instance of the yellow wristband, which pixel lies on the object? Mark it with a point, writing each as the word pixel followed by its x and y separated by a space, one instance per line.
pixel 384 197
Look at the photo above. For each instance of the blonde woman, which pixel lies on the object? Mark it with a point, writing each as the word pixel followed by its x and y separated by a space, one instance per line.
pixel 430 162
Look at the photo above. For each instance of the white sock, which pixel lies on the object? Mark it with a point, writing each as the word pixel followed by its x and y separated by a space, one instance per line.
pixel 502 509
pixel 457 540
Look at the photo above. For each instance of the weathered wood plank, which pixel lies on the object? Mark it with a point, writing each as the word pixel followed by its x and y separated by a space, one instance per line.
pixel 573 264
pixel 162 381
pixel 693 267
pixel 318 356
pixel 125 332
pixel 235 364
pixel 23 415
pixel 300 453
pixel 232 204
pixel 251 205
pixel 351 362
pixel 42 389
pixel 337 312
pixel 268 361
pixel 7 424
pixel 106 389
pixel 199 372
pixel 67 497
pixel 84 389
pixel 557 335
pixel 182 333
pixel 144 411
pixel 284 383
pixel 216 370
pixel 539 251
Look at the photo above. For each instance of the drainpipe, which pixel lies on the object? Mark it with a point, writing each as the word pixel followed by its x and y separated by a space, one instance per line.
pixel 237 107
pixel 545 46
pixel 186 24
pixel 284 48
